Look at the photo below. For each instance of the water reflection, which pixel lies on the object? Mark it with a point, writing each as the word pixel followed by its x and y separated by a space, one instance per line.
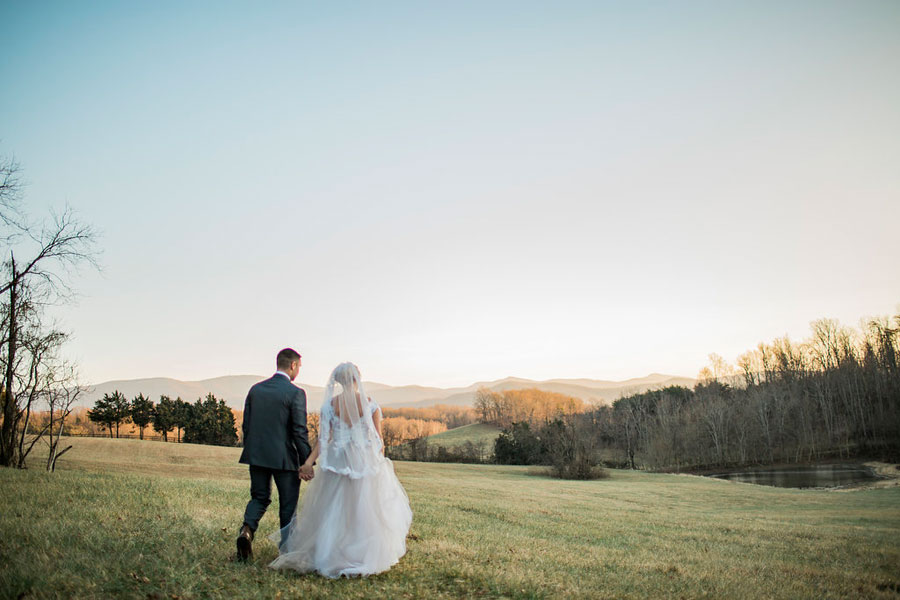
pixel 804 477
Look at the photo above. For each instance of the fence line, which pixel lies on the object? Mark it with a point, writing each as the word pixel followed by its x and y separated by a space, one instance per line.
pixel 130 436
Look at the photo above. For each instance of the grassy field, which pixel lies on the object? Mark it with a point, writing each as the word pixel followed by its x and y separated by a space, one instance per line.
pixel 475 433
pixel 125 518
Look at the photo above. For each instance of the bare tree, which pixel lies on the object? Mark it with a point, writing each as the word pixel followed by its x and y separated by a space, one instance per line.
pixel 835 394
pixel 54 248
pixel 62 395
pixel 10 195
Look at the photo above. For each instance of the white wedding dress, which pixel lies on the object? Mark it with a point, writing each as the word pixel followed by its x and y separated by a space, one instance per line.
pixel 355 515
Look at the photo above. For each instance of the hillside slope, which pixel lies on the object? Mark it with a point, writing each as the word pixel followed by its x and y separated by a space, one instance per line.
pixel 233 389
pixel 475 433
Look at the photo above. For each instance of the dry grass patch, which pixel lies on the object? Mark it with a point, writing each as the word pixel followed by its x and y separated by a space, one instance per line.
pixel 131 519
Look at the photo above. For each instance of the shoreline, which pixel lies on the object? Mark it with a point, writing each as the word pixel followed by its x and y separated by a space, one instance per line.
pixel 888 475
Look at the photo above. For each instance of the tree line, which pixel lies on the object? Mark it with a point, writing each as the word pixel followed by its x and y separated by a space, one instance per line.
pixel 536 431
pixel 451 416
pixel 523 406
pixel 419 449
pixel 400 430
pixel 833 395
pixel 206 421
pixel 403 425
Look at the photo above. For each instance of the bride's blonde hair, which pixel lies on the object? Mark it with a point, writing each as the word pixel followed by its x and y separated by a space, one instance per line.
pixel 345 373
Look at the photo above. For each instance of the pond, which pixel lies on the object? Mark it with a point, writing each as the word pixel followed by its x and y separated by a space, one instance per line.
pixel 818 476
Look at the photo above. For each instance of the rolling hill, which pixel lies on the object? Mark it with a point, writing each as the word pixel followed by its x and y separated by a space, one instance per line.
pixel 589 390
pixel 233 389
pixel 475 433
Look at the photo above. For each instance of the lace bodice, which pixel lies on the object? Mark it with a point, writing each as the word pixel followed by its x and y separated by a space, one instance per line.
pixel 349 446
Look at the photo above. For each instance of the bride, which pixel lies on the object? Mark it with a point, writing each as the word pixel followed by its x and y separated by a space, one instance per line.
pixel 355 514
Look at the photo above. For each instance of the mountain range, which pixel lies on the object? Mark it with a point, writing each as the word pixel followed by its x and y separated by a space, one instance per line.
pixel 233 389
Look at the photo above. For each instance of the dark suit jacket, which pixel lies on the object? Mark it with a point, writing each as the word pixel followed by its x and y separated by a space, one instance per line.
pixel 274 425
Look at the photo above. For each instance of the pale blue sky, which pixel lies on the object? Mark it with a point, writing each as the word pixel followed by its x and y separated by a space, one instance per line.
pixel 448 192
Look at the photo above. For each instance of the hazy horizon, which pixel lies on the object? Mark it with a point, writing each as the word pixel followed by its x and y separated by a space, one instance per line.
pixel 445 194
pixel 300 380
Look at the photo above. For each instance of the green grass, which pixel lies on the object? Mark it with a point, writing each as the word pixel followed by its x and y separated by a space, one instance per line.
pixel 136 519
pixel 475 433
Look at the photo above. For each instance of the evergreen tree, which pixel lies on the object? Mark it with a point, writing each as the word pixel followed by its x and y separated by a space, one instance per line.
pixel 141 412
pixel 182 415
pixel 120 408
pixel 164 417
pixel 519 445
pixel 102 413
pixel 227 430
pixel 210 422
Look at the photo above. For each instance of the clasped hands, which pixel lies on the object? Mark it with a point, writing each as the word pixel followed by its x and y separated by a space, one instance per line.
pixel 306 472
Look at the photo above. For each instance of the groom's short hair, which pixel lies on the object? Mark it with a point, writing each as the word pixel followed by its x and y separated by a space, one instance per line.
pixel 286 357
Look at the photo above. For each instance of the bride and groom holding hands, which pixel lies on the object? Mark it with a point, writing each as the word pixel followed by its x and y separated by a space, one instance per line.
pixel 355 514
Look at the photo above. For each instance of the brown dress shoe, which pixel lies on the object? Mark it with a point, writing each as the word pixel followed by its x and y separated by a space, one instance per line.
pixel 245 543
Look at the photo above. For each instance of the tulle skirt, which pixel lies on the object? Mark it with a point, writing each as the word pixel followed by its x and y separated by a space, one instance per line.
pixel 347 526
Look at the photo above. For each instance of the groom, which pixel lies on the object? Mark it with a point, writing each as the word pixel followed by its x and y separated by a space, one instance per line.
pixel 275 445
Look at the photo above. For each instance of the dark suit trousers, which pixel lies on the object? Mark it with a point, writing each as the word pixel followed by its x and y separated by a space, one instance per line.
pixel 288 484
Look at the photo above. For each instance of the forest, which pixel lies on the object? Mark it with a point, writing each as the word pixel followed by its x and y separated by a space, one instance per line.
pixel 833 395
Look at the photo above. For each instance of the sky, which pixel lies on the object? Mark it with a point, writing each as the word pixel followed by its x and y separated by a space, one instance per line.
pixel 446 192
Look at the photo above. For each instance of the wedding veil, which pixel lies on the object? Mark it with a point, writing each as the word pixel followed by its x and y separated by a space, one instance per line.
pixel 354 523
pixel 348 442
